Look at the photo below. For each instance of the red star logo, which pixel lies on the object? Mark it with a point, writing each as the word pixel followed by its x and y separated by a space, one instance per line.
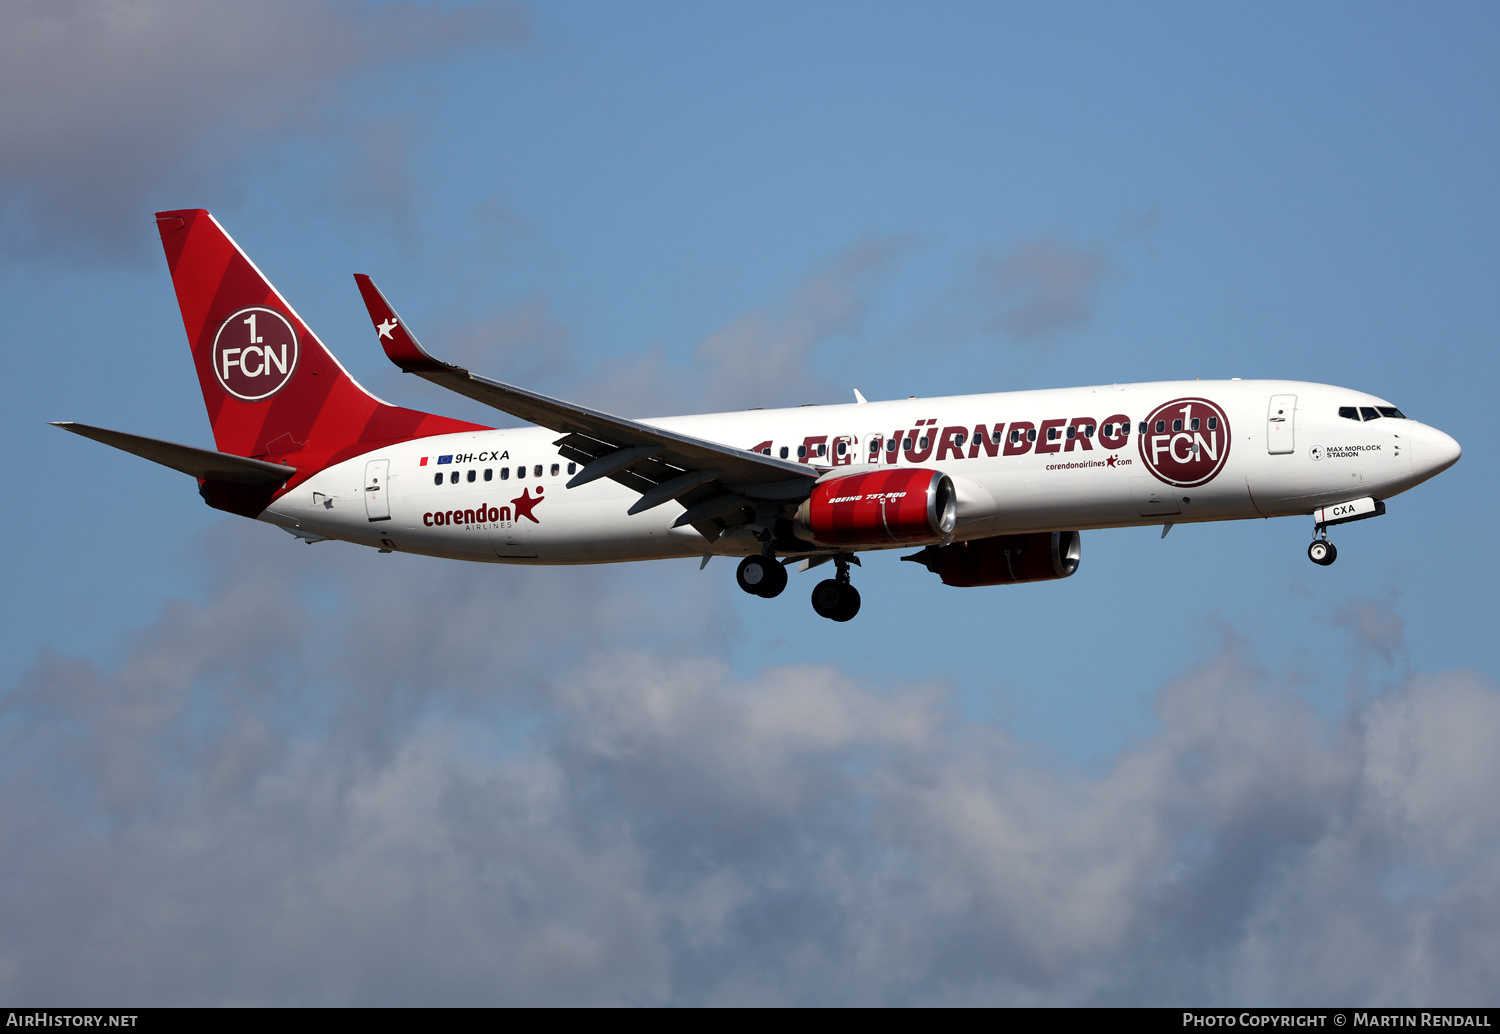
pixel 1110 462
pixel 526 504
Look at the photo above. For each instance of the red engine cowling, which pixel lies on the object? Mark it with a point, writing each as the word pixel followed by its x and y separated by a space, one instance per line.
pixel 880 508
pixel 1039 557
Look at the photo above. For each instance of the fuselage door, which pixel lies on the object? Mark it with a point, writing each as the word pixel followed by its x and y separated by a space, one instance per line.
pixel 377 491
pixel 1280 420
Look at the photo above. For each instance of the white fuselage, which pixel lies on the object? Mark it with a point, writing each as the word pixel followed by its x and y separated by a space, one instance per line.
pixel 406 497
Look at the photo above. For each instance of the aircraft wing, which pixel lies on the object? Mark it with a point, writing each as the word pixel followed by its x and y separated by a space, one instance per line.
pixel 201 463
pixel 710 479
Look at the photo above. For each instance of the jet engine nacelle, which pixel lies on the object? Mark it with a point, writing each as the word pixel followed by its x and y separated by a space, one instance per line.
pixel 1039 557
pixel 880 508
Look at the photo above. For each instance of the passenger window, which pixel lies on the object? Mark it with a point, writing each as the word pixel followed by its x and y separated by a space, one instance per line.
pixel 783 452
pixel 842 448
pixel 997 437
pixel 1088 430
pixel 1391 411
pixel 1141 429
pixel 802 452
pixel 822 449
pixel 1177 424
pixel 894 444
pixel 874 448
pixel 766 451
pixel 489 474
pixel 1015 436
pixel 520 473
pixel 1031 435
pixel 960 438
pixel 1072 433
pixel 1109 430
pixel 1213 423
pixel 573 467
pixel 1194 425
pixel 922 442
pixel 1161 425
pixel 537 471
pixel 453 478
pixel 556 469
pixel 472 476
pixel 1368 412
pixel 437 479
pixel 504 473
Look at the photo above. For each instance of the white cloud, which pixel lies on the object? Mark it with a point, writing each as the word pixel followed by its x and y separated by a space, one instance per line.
pixel 763 357
pixel 414 782
pixel 109 106
pixel 1429 756
pixel 1040 289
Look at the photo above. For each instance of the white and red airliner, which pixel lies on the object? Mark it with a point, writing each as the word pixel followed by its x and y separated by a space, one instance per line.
pixel 990 489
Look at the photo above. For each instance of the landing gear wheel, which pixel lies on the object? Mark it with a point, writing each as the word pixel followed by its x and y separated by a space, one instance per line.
pixel 1322 552
pixel 835 600
pixel 850 606
pixel 761 576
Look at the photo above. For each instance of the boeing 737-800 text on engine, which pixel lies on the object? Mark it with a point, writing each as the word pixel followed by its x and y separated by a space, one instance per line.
pixel 990 489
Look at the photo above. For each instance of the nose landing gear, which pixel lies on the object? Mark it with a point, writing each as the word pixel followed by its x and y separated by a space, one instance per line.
pixel 834 598
pixel 1322 552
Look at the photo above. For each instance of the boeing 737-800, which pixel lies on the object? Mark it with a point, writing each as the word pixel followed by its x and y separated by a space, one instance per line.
pixel 989 488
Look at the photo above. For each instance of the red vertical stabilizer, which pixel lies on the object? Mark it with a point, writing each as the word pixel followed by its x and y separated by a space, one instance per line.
pixel 272 389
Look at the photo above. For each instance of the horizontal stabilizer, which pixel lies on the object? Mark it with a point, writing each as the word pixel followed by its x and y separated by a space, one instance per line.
pixel 200 463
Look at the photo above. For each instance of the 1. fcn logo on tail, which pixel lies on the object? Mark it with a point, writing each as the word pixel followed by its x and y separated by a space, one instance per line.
pixel 255 353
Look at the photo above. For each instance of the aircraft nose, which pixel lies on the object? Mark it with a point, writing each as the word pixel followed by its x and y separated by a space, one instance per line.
pixel 1433 451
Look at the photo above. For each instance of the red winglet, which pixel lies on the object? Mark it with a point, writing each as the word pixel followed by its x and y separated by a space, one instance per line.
pixel 399 344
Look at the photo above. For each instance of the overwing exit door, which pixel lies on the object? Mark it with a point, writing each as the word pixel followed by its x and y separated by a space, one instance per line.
pixel 377 492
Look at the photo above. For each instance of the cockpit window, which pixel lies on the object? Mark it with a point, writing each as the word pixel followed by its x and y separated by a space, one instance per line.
pixel 1370 412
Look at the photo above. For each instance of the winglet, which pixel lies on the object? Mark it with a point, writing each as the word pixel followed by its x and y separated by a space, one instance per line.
pixel 858 398
pixel 399 344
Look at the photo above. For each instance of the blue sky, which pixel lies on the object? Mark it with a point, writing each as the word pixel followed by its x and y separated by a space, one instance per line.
pixel 617 204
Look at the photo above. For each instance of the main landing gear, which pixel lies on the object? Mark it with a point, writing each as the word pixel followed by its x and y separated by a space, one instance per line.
pixel 761 576
pixel 1321 551
pixel 834 598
